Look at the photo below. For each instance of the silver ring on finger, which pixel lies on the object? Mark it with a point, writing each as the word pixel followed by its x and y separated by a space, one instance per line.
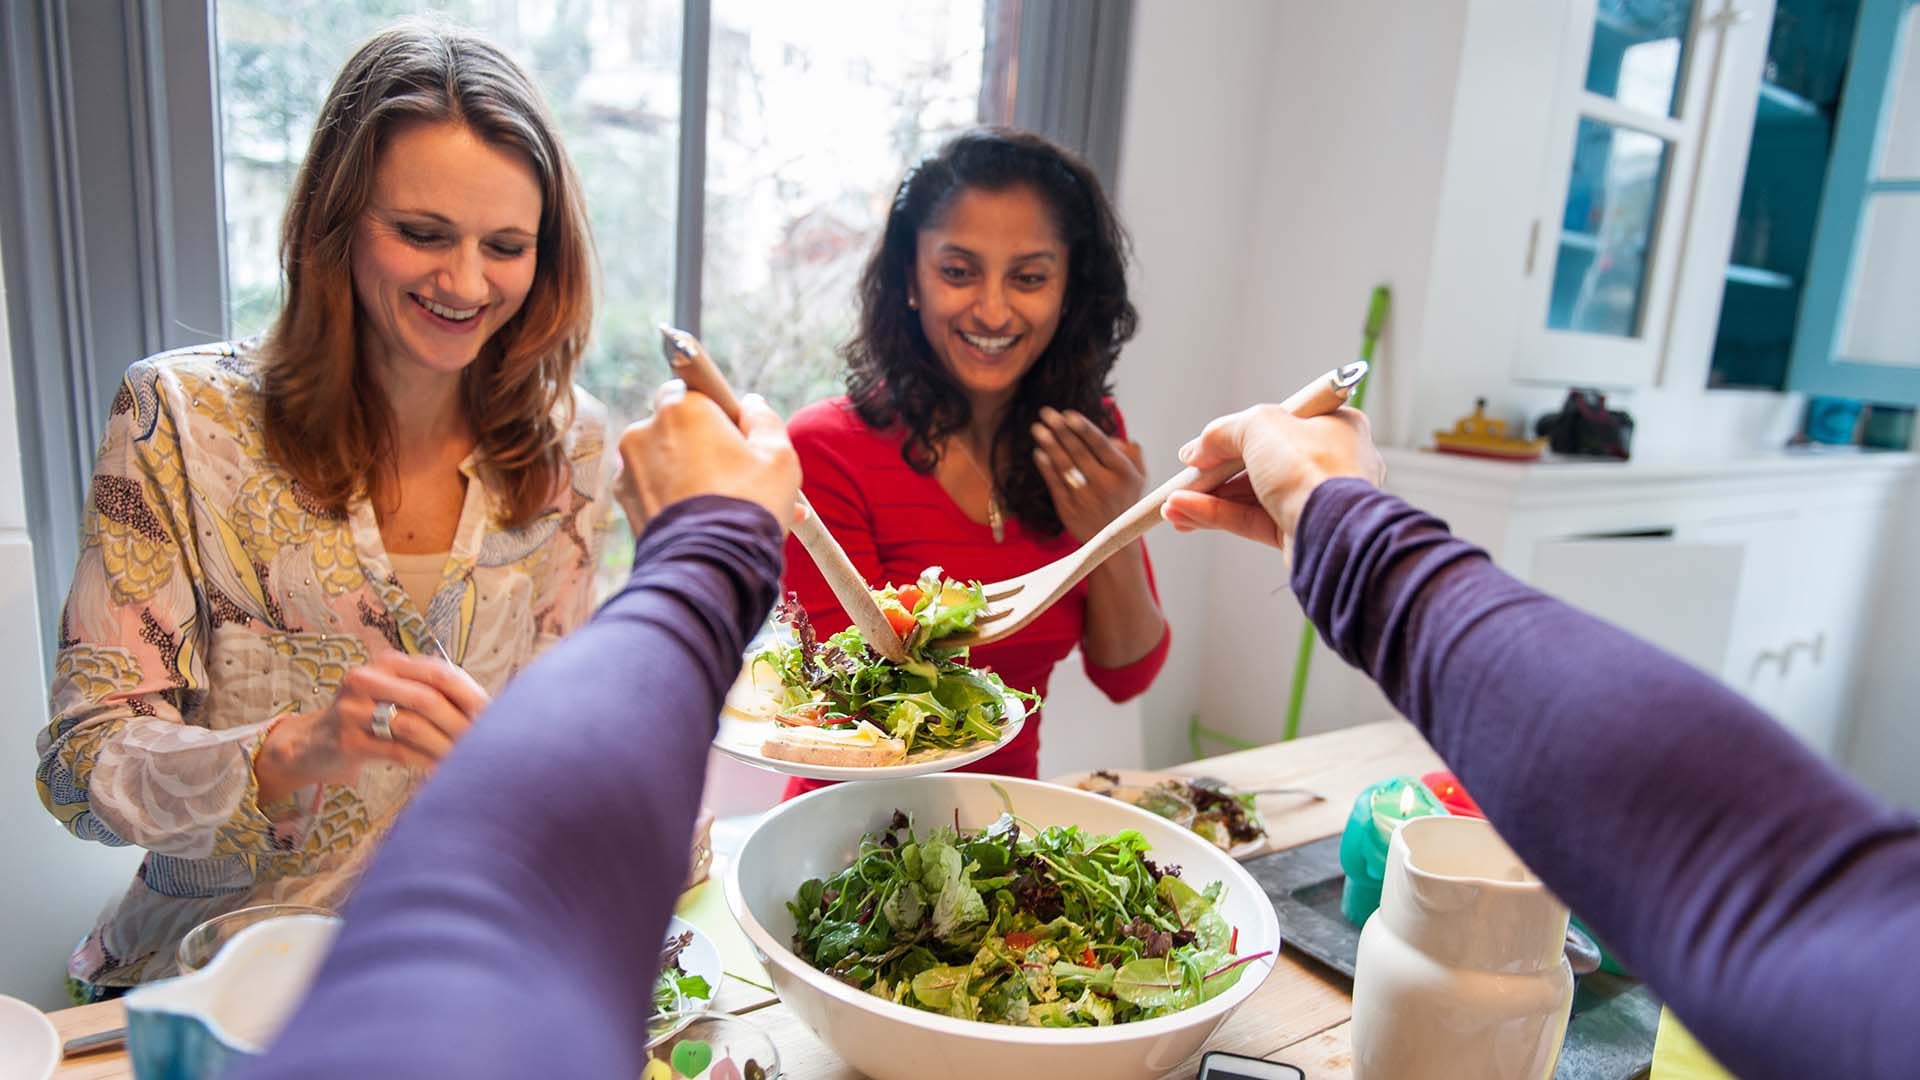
pixel 382 723
pixel 1074 478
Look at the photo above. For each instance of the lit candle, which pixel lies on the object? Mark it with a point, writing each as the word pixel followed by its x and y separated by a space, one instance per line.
pixel 1447 788
pixel 1363 846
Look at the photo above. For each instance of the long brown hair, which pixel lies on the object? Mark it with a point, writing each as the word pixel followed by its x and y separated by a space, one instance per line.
pixel 328 423
pixel 892 373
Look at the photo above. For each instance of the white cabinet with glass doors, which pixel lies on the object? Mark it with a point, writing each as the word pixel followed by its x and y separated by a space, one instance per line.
pixel 1724 190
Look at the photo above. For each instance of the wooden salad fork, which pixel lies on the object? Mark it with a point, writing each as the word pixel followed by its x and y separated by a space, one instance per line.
pixel 691 365
pixel 1016 602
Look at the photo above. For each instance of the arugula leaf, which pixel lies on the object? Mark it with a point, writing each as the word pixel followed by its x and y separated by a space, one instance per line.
pixel 805 904
pixel 935 987
pixel 1152 984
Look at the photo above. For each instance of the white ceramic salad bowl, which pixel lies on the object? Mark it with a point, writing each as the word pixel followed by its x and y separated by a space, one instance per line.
pixel 29 1044
pixel 818 835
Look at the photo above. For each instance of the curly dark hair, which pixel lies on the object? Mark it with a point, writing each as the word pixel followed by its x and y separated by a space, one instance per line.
pixel 893 375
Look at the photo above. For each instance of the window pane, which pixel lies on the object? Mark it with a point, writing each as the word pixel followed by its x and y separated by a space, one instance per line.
pixel 1900 150
pixel 814 111
pixel 1638 49
pixel 1882 323
pixel 610 71
pixel 1613 202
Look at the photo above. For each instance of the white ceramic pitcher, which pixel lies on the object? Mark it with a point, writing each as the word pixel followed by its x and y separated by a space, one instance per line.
pixel 1462 971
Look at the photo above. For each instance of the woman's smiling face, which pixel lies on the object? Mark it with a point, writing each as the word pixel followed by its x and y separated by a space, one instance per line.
pixel 444 254
pixel 990 280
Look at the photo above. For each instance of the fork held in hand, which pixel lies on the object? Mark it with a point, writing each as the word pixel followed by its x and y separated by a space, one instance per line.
pixel 691 365
pixel 1015 602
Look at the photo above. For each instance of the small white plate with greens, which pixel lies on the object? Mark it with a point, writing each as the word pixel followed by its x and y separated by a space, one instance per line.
pixel 690 973
pixel 834 709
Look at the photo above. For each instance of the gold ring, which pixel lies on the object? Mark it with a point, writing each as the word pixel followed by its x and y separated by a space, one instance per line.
pixel 1074 478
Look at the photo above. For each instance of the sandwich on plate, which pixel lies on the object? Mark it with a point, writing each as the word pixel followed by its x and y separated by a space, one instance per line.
pixel 839 703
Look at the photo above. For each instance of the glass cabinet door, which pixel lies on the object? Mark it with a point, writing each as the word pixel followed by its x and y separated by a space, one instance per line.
pixel 1613 196
pixel 1808 52
pixel 1626 127
pixel 1859 333
pixel 1613 202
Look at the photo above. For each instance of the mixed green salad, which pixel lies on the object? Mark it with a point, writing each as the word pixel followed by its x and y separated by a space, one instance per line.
pixel 1047 928
pixel 933 700
pixel 674 990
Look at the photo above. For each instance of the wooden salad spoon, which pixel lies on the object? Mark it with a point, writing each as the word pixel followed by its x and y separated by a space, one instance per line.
pixel 691 365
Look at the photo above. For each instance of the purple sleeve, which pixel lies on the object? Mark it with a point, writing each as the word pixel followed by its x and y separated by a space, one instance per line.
pixel 511 923
pixel 1768 899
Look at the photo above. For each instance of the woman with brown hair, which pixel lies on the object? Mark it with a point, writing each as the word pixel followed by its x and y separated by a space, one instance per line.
pixel 309 559
pixel 978 433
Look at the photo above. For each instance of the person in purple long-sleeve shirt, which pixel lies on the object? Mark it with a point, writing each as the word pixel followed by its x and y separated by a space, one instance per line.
pixel 510 925
pixel 1771 902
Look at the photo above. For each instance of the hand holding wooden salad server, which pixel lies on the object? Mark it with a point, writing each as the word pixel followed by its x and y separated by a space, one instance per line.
pixel 691 364
pixel 1016 602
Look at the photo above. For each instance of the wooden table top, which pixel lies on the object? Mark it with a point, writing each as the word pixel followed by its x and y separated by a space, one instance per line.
pixel 1299 1015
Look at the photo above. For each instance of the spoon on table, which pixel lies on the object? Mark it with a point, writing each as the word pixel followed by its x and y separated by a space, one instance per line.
pixel 691 365
pixel 98 1042
pixel 1015 602
pixel 1214 783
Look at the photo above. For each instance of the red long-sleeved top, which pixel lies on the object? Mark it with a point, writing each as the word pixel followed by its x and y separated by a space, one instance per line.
pixel 895 522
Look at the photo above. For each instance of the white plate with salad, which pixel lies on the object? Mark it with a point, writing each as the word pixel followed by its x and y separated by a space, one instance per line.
pixel 690 972
pixel 1220 813
pixel 833 709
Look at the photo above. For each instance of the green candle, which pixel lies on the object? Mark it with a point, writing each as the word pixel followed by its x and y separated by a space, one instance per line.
pixel 1363 846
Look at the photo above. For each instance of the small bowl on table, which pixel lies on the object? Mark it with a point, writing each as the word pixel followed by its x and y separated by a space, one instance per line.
pixel 205 941
pixel 203 1023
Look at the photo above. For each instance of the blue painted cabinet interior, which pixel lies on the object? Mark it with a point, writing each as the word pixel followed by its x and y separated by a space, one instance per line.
pixel 1800 94
pixel 1818 116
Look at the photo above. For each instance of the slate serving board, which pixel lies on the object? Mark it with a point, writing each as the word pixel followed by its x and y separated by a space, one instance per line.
pixel 1609 1038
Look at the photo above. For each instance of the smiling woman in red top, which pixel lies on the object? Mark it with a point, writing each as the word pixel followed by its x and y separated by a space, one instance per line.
pixel 977 433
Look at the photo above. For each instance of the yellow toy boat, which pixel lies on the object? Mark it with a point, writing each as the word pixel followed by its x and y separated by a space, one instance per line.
pixel 1481 436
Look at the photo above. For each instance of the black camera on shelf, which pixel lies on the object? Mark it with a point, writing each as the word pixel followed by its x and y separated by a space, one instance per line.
pixel 1584 426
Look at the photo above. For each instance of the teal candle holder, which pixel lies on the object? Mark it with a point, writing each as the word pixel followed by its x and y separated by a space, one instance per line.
pixel 1363 845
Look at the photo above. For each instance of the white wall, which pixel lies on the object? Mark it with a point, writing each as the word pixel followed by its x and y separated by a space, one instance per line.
pixel 1352 151
pixel 1192 158
pixel 1885 745
pixel 52 885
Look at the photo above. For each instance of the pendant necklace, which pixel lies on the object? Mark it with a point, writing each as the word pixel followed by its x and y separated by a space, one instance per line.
pixel 996 520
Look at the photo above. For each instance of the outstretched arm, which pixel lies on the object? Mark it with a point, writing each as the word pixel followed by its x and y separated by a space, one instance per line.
pixel 511 924
pixel 1766 897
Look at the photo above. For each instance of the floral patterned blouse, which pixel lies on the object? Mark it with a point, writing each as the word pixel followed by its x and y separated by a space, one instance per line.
pixel 213 596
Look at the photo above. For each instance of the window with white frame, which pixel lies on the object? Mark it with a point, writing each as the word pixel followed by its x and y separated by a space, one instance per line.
pixel 741 148
pixel 813 110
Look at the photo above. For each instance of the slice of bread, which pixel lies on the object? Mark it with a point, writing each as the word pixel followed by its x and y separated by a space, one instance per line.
pixel 849 754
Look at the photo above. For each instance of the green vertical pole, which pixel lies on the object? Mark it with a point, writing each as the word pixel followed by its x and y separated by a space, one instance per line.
pixel 1370 336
